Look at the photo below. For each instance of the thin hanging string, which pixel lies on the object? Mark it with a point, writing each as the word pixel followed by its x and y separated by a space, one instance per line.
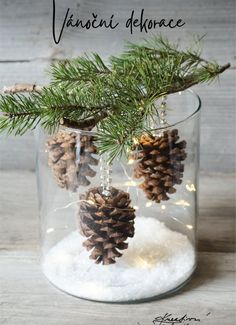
pixel 163 113
pixel 159 120
pixel 105 175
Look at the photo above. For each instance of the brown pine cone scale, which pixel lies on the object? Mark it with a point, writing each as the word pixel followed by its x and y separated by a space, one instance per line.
pixel 160 164
pixel 107 222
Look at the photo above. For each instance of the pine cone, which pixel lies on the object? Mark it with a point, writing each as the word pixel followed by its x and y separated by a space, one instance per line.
pixel 160 164
pixel 107 222
pixel 71 171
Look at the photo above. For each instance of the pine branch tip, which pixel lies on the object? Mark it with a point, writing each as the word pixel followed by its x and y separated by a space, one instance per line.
pixel 224 67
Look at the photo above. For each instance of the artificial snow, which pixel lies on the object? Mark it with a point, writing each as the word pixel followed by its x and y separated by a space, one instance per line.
pixel 156 261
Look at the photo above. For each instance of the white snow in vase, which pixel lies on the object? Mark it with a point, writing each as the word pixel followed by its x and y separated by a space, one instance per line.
pixel 156 261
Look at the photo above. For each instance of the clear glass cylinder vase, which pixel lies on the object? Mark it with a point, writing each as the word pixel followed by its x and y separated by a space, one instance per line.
pixel 126 231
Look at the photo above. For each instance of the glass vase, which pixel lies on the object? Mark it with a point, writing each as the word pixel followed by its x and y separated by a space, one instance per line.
pixel 124 231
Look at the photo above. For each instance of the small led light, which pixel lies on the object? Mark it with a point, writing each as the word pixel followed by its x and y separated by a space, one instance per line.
pixel 50 230
pixel 131 161
pixel 130 183
pixel 183 203
pixel 148 204
pixel 135 141
pixel 135 207
pixel 191 188
pixel 163 207
pixel 189 226
pixel 142 263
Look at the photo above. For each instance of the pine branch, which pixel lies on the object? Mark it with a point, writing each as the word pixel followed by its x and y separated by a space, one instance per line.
pixel 115 135
pixel 205 74
pixel 83 69
pixel 86 124
pixel 19 114
pixel 118 97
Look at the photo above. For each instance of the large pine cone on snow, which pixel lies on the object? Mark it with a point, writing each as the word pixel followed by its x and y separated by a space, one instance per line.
pixel 107 221
pixel 70 159
pixel 160 164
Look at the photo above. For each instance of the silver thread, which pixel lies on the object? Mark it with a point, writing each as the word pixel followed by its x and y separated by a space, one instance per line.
pixel 105 175
pixel 163 114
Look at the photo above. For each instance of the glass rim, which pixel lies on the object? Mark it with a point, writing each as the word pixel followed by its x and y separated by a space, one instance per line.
pixel 195 112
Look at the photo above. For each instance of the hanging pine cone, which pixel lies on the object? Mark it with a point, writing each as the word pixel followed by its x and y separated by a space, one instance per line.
pixel 160 164
pixel 107 222
pixel 69 170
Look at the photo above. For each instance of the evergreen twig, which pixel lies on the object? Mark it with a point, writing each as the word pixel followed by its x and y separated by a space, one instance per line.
pixel 117 97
